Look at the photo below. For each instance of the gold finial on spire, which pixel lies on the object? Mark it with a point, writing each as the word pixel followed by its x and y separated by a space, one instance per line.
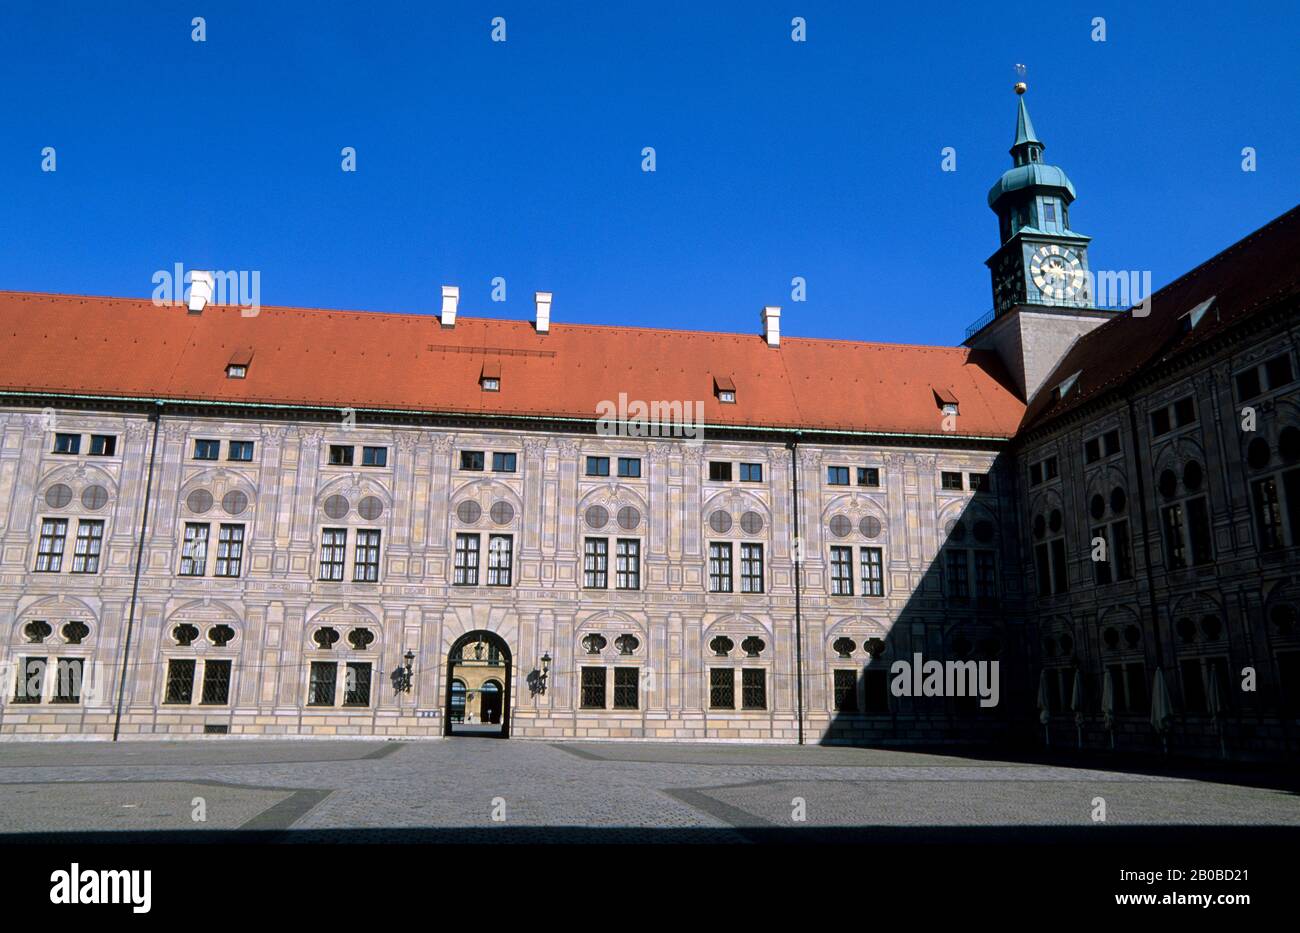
pixel 1020 85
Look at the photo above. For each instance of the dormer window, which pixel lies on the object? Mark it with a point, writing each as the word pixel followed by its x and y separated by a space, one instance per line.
pixel 946 401
pixel 237 368
pixel 490 379
pixel 1197 314
pixel 724 389
pixel 1067 384
pixel 491 384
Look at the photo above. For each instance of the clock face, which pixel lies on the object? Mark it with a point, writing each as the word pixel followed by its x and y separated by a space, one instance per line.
pixel 1057 272
pixel 1006 281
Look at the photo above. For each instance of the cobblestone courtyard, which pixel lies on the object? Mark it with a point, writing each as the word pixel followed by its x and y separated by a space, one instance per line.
pixel 471 789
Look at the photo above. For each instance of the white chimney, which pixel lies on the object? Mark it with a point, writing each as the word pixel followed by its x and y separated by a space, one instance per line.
pixel 543 323
pixel 200 291
pixel 772 325
pixel 450 298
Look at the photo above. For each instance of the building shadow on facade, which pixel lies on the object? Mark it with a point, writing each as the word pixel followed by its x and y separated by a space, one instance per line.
pixel 968 611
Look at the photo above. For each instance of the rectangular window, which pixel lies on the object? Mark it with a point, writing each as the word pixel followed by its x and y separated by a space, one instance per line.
pixel 1049 212
pixel 1092 450
pixel 207 450
pixel 230 550
pixel 49 550
pixel 751 472
pixel 722 688
pixel 951 480
pixel 241 451
pixel 875 691
pixel 194 550
pixel 341 455
pixel 1175 547
pixel 1120 554
pixel 595 563
pixel 1160 422
pixel 753 688
pixel 1043 570
pixel 1135 676
pixel 1050 469
pixel 979 482
pixel 1101 574
pixel 598 466
pixel 1198 531
pixel 720 471
pixel 67 443
pixel 504 462
pixel 90 540
pixel 593 688
pixel 320 690
pixel 67 680
pixel 466 570
pixel 1035 474
pixel 471 460
pixel 374 456
pixel 958 573
pixel 625 687
pixel 180 681
pixel 103 445
pixel 1291 488
pixel 837 476
pixel 841 571
pixel 629 564
pixel 356 686
pixel 846 691
pixel 500 559
pixel 216 682
pixel 1184 412
pixel 1268 514
pixel 873 571
pixel 1278 370
pixel 719 567
pixel 31 680
pixel 629 467
pixel 333 544
pixel 1110 443
pixel 986 574
pixel 1193 686
pixel 751 568
pixel 868 476
pixel 365 568
pixel 1060 570
pixel 1248 384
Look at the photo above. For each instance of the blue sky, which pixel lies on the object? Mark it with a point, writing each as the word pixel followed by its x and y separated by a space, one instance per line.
pixel 522 159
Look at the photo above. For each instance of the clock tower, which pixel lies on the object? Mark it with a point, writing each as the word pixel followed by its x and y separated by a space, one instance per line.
pixel 1041 260
pixel 1042 287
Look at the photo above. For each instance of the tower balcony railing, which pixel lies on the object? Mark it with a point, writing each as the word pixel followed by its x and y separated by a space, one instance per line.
pixel 981 322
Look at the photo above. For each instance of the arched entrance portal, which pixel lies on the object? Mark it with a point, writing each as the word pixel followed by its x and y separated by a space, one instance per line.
pixel 478 685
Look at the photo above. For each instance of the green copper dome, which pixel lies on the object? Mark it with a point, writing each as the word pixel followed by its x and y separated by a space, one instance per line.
pixel 1033 175
pixel 1029 171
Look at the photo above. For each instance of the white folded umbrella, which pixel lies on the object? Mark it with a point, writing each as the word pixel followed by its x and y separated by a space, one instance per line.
pixel 1162 709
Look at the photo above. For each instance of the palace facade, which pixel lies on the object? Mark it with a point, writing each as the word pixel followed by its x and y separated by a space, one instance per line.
pixel 297 522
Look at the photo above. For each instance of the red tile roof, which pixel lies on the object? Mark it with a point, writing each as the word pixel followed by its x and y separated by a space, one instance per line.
pixel 348 359
pixel 1259 272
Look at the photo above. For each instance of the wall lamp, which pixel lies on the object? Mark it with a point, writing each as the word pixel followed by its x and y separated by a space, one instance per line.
pixel 403 677
pixel 537 679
